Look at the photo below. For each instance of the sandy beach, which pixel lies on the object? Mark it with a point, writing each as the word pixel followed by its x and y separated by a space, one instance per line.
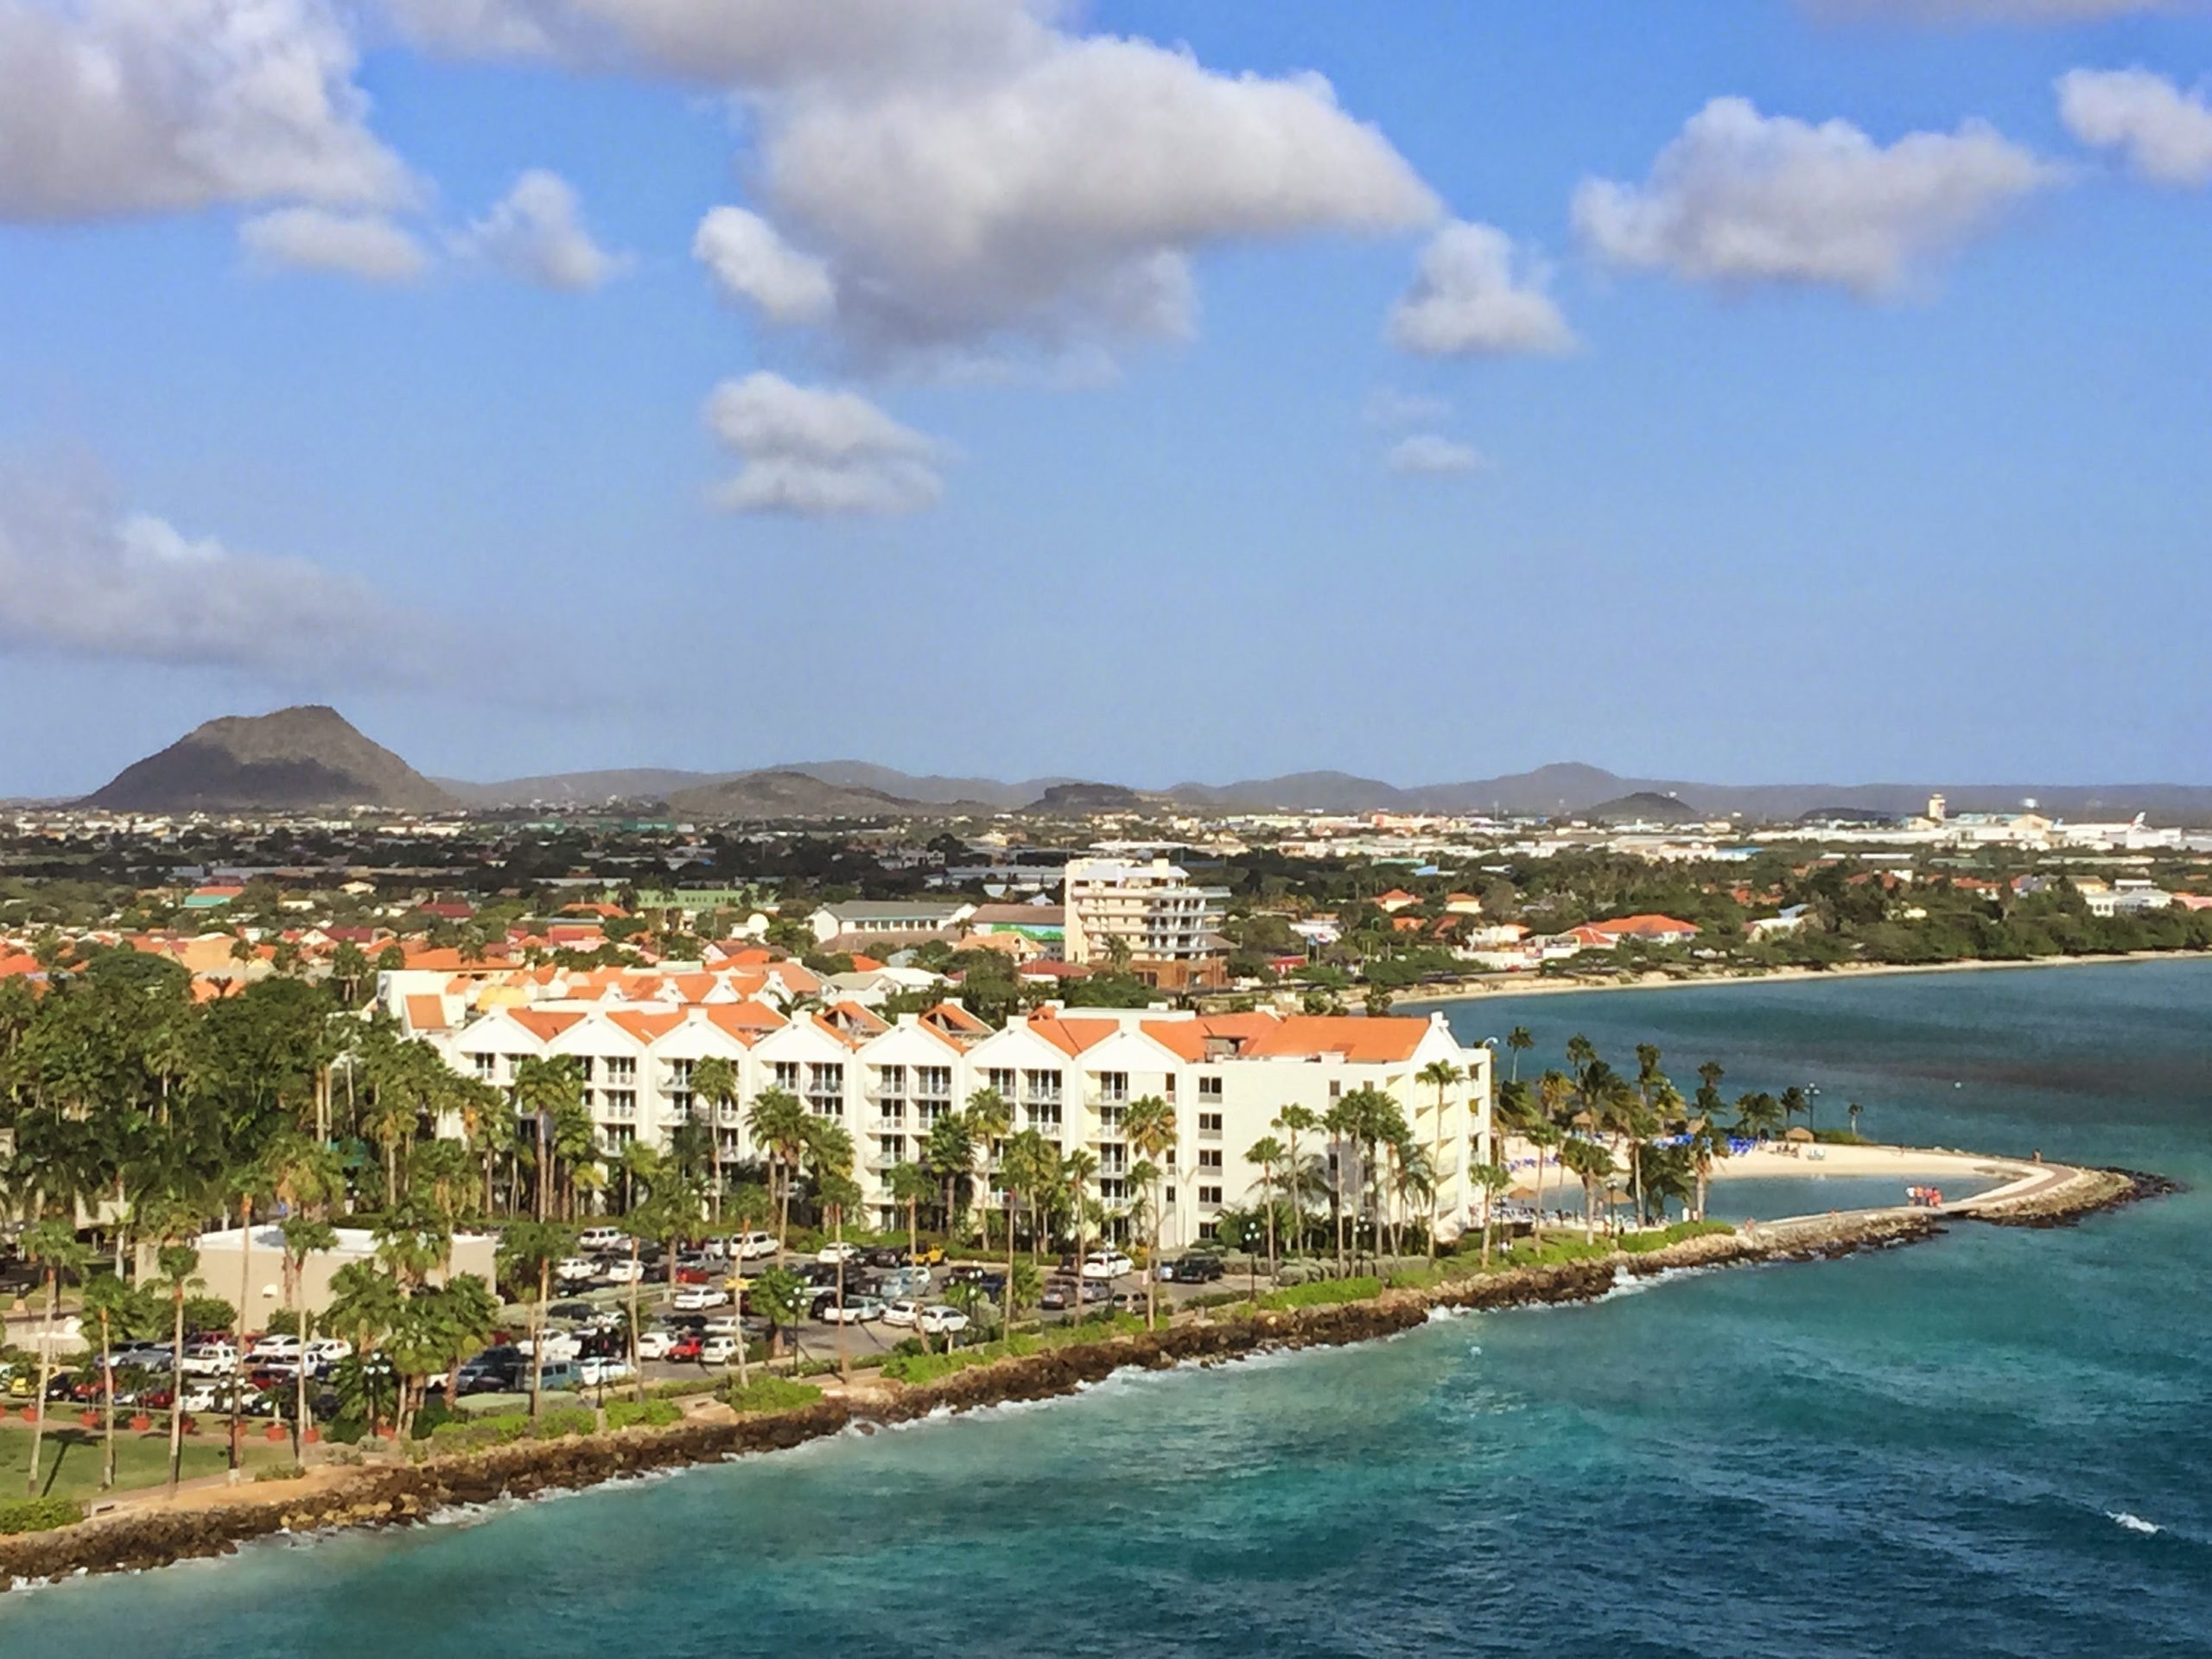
pixel 1482 989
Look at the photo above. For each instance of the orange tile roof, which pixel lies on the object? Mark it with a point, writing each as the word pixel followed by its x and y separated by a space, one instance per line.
pixel 956 1017
pixel 746 1022
pixel 1072 1036
pixel 647 1028
pixel 545 1024
pixel 1365 1041
pixel 426 1013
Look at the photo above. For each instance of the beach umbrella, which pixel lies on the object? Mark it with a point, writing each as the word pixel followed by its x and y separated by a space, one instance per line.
pixel 1617 1196
pixel 1584 1121
pixel 1800 1134
pixel 1522 1194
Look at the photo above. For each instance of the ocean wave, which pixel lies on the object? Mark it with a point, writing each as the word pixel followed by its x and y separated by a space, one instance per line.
pixel 2133 1523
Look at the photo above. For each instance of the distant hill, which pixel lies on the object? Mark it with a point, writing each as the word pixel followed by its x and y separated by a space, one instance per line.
pixel 291 760
pixel 582 788
pixel 1074 800
pixel 1644 806
pixel 784 794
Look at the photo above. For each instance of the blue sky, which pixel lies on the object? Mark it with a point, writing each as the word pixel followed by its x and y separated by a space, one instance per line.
pixel 1912 489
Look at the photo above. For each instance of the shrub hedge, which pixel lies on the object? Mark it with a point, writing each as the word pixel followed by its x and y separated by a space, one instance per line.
pixel 39 1514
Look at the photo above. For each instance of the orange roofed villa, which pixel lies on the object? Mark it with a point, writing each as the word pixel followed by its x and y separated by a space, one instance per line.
pixel 1069 1074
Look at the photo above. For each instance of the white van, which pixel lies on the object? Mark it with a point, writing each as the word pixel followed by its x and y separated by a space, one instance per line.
pixel 594 1240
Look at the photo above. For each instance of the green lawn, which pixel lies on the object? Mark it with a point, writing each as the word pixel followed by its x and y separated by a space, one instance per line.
pixel 70 1460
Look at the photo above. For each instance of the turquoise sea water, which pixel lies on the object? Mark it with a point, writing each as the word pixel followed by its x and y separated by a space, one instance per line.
pixel 1997 1444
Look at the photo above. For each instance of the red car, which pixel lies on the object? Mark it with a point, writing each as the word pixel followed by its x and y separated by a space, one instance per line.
pixel 686 1347
pixel 695 1275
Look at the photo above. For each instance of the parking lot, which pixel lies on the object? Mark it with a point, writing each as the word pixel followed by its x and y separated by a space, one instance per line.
pixel 819 1338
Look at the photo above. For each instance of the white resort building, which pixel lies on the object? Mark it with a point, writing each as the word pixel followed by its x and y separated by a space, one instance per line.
pixel 1068 1073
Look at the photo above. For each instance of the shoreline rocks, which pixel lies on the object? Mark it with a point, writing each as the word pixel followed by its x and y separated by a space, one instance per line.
pixel 404 1495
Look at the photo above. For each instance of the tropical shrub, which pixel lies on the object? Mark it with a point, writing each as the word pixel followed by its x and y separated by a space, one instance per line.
pixel 1323 1292
pixel 770 1394
pixel 39 1514
pixel 574 1420
pixel 649 1413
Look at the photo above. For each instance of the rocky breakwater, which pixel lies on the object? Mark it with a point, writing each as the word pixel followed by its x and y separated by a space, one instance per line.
pixel 2082 1193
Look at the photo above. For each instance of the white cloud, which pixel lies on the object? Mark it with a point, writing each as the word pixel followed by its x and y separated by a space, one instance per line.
pixel 1430 455
pixel 536 233
pixel 2165 133
pixel 78 579
pixel 750 262
pixel 818 453
pixel 1739 197
pixel 971 177
pixel 1471 295
pixel 367 245
pixel 1388 406
pixel 127 106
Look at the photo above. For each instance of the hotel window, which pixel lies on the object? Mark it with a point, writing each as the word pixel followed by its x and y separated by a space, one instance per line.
pixel 1169 1196
pixel 891 1147
pixel 1209 1195
pixel 1000 1080
pixel 1209 1122
pixel 584 1063
pixel 621 1070
pixel 934 1081
pixel 787 1076
pixel 1113 1085
pixel 487 1067
pixel 1209 1158
pixel 620 1102
pixel 1209 1088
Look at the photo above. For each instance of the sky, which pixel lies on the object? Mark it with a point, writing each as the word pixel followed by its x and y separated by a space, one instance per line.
pixel 1743 391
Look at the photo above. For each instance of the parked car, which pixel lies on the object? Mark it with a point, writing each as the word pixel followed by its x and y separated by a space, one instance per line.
pixel 622 1271
pixel 696 1270
pixel 855 1310
pixel 1192 1269
pixel 838 1250
pixel 903 1281
pixel 1106 1264
pixel 655 1344
pixel 884 1256
pixel 571 1311
pixel 696 1299
pixel 275 1347
pixel 561 1346
pixel 686 1346
pixel 599 1240
pixel 903 1312
pixel 575 1270
pixel 325 1352
pixel 939 1321
pixel 722 1325
pixel 598 1372
pixel 210 1359
pixel 566 1375
pixel 751 1247
pixel 717 1350
pixel 925 1255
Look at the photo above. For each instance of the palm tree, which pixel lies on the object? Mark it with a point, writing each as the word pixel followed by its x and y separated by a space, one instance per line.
pixel 1150 1127
pixel 910 1186
pixel 547 1087
pixel 838 1193
pixel 108 1300
pixel 178 1264
pixel 1852 1111
pixel 527 1252
pixel 1493 1178
pixel 1519 1042
pixel 1339 1120
pixel 779 1122
pixel 950 1155
pixel 303 1235
pixel 715 1081
pixel 1441 1075
pixel 991 1116
pixel 1589 1160
pixel 1267 1152
pixel 1077 1170
pixel 1295 1121
pixel 52 1245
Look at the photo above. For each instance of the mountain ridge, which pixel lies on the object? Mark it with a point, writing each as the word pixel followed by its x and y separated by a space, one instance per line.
pixel 289 759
